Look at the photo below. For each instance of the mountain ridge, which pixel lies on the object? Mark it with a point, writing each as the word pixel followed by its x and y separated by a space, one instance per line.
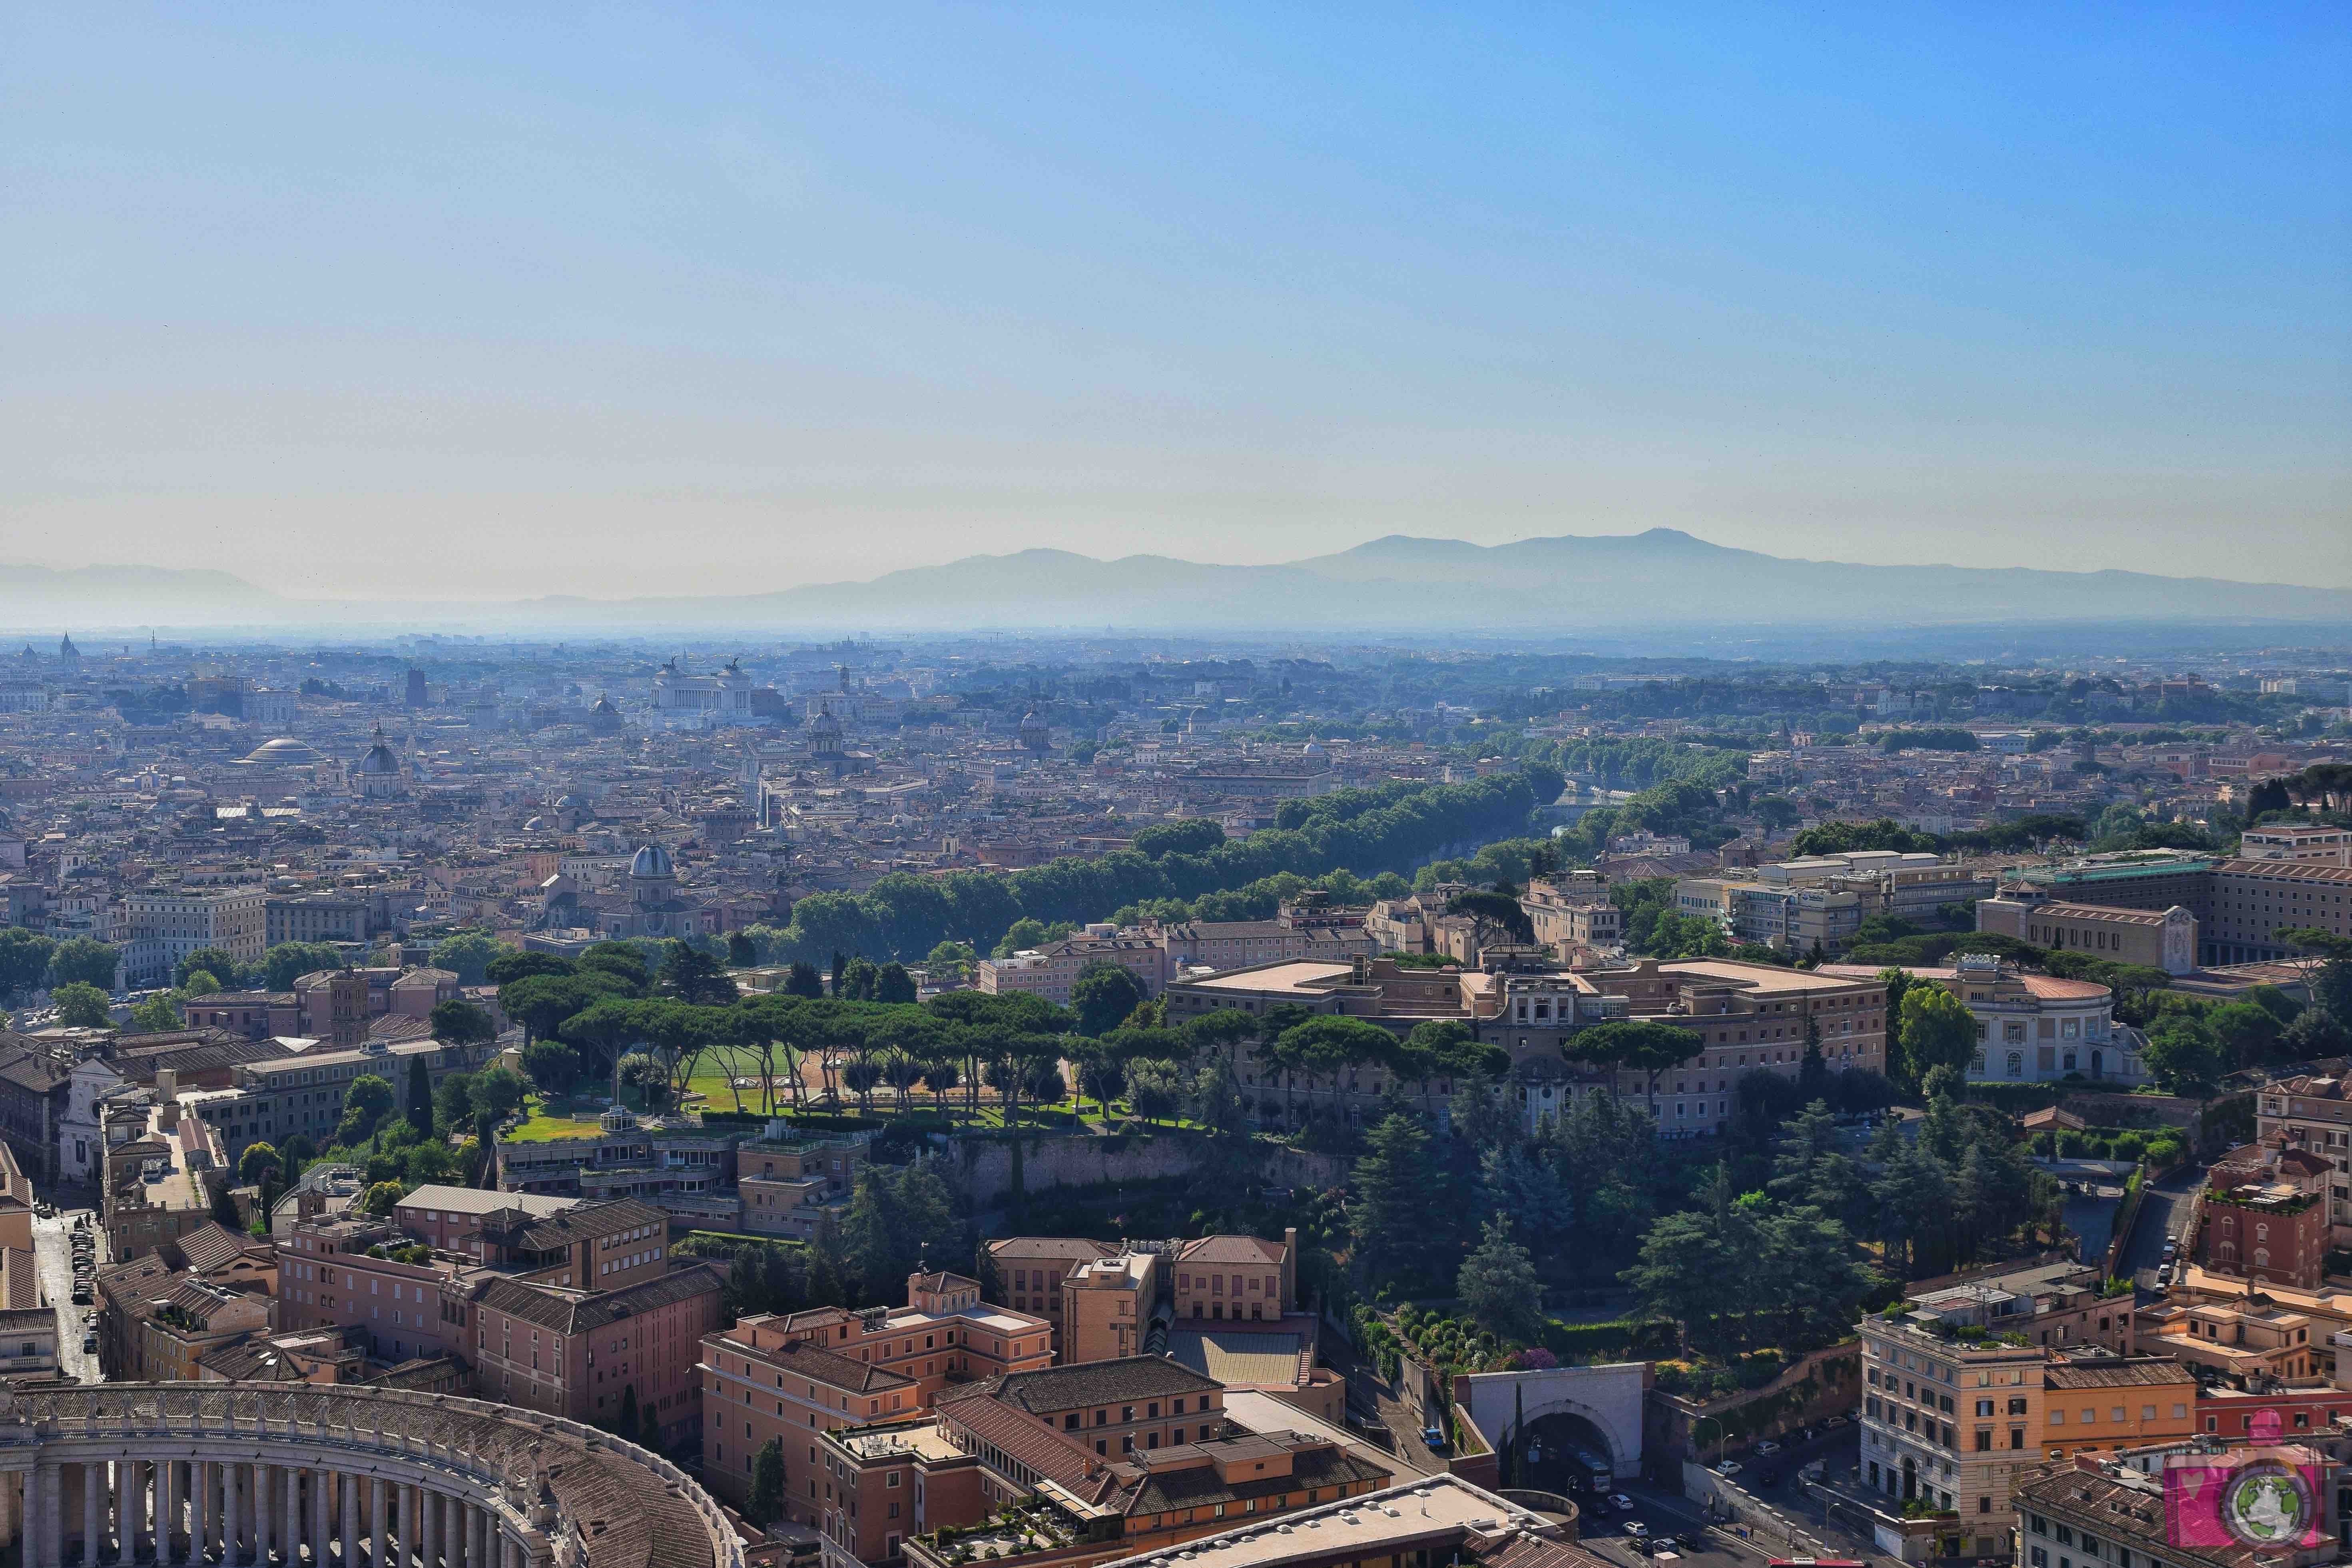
pixel 1560 581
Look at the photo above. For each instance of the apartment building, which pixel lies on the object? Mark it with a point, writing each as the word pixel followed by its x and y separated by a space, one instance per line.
pixel 2034 1028
pixel 1030 1271
pixel 315 917
pixel 2090 1512
pixel 272 1098
pixel 2251 899
pixel 1745 1017
pixel 1237 944
pixel 2101 1404
pixel 1571 911
pixel 2315 842
pixel 2154 939
pixel 1821 900
pixel 1953 1389
pixel 1108 1306
pixel 1237 1276
pixel 2312 1112
pixel 577 1353
pixel 1050 971
pixel 415 1296
pixel 2265 1215
pixel 787 1184
pixel 2248 1343
pixel 787 1377
pixel 169 924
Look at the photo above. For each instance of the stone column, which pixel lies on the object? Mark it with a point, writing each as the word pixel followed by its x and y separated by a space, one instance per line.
pixel 200 1509
pixel 348 1491
pixel 167 1523
pixel 257 1511
pixel 93 1486
pixel 291 1539
pixel 404 1509
pixel 139 1494
pixel 322 1515
pixel 48 1509
pixel 377 1521
pixel 428 1545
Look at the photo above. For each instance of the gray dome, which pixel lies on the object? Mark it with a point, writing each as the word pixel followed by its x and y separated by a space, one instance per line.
pixel 653 861
pixel 285 752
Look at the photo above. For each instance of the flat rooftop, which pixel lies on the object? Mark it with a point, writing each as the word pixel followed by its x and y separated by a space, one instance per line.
pixel 1295 977
pixel 1438 1508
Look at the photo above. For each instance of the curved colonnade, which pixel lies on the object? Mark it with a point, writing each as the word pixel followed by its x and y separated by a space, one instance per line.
pixel 305 1476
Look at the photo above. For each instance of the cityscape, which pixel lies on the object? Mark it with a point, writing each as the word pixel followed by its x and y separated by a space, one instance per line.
pixel 997 790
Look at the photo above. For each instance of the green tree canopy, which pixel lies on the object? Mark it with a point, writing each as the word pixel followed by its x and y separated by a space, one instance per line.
pixel 458 1022
pixel 282 966
pixel 1937 1030
pixel 514 964
pixel 370 1097
pixel 81 959
pixel 468 953
pixel 217 962
pixel 1103 995
pixel 1498 1284
pixel 81 1006
pixel 24 958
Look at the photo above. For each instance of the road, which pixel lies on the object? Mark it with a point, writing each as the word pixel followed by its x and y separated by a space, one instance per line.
pixel 1720 1546
pixel 53 1258
pixel 2161 1214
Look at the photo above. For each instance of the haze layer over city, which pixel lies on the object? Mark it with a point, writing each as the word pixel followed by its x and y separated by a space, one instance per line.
pixel 894 788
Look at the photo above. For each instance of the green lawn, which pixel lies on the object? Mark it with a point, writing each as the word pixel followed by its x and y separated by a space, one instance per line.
pixel 566 1119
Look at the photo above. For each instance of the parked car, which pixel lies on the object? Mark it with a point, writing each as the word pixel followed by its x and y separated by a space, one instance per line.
pixel 1768 1479
pixel 1636 1529
pixel 1768 1447
pixel 1729 1468
pixel 1837 1421
pixel 1434 1439
pixel 1621 1503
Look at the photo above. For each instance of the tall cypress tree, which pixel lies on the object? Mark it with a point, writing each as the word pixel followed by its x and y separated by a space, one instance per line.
pixel 420 1097
pixel 767 1499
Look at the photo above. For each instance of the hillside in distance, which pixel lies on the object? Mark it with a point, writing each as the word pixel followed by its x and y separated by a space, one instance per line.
pixel 1660 580
pixel 1661 576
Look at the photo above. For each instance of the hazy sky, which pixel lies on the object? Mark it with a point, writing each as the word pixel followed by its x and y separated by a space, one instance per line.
pixel 404 300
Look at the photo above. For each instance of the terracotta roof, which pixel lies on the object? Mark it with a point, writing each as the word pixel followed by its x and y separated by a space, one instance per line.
pixel 1071 1247
pixel 1230 1249
pixel 942 1280
pixel 818 1365
pixel 572 1313
pixel 1129 1378
pixel 1022 1438
pixel 1311 1465
pixel 2128 1372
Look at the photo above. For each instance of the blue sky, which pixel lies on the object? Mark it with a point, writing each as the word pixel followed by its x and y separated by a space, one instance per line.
pixel 605 300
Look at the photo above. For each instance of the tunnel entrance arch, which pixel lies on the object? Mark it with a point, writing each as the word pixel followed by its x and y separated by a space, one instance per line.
pixel 1562 1452
pixel 1601 1403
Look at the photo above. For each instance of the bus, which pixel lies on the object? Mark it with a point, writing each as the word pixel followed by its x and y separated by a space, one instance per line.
pixel 1816 1562
pixel 1593 1468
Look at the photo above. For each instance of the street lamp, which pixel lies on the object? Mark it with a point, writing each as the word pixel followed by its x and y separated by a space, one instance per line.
pixel 1719 1435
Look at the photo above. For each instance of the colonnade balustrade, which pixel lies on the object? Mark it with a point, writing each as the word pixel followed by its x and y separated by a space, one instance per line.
pixel 269 1475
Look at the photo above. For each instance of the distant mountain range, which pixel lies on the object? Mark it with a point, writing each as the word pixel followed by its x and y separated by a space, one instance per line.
pixel 1660 579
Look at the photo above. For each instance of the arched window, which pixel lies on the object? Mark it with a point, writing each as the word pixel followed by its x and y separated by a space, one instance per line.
pixel 2262 1257
pixel 2263 1232
pixel 2016 1063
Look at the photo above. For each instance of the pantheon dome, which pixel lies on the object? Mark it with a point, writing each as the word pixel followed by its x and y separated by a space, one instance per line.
pixel 285 752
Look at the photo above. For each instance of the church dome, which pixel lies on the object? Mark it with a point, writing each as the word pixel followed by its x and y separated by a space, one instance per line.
pixel 653 861
pixel 285 752
pixel 379 759
pixel 825 723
